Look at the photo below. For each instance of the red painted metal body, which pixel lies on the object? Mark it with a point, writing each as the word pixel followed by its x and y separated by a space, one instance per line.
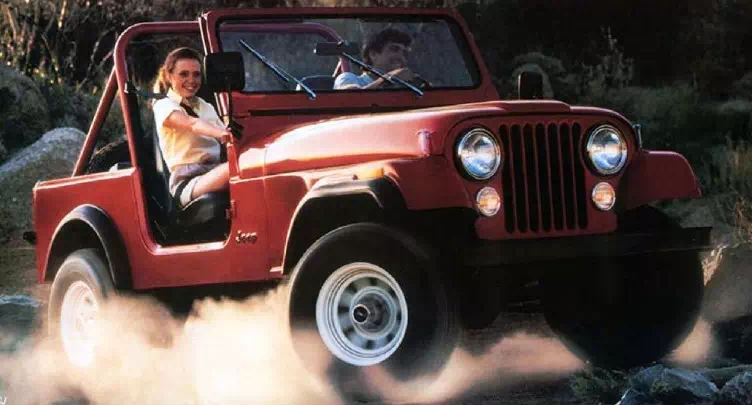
pixel 291 142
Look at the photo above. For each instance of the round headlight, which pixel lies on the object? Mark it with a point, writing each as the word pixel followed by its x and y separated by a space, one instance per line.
pixel 488 201
pixel 607 150
pixel 479 154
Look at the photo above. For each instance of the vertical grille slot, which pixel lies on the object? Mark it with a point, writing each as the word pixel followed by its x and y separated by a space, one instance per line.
pixel 506 177
pixel 520 200
pixel 557 195
pixel 543 177
pixel 579 177
pixel 566 160
pixel 531 173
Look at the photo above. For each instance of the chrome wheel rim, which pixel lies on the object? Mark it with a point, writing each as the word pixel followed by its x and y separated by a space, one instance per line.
pixel 77 321
pixel 361 314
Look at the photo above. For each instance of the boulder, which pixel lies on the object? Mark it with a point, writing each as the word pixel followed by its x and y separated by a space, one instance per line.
pixel 738 391
pixel 23 111
pixel 52 156
pixel 683 387
pixel 644 380
pixel 634 397
pixel 17 315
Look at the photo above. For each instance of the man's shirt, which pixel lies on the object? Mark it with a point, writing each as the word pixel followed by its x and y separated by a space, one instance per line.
pixel 349 78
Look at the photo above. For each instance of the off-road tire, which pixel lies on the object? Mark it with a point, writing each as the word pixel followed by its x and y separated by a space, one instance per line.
pixel 431 332
pixel 110 154
pixel 628 311
pixel 85 271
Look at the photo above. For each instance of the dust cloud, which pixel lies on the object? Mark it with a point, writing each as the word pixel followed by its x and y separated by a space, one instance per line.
pixel 225 352
pixel 698 347
pixel 238 352
pixel 514 359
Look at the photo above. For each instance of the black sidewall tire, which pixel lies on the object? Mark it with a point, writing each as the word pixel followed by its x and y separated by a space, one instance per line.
pixel 85 265
pixel 634 315
pixel 432 327
pixel 114 152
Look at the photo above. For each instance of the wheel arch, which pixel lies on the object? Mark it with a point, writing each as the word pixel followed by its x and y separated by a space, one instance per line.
pixel 330 206
pixel 88 226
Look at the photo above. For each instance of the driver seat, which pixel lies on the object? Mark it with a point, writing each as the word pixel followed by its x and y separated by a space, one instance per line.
pixel 201 215
pixel 204 219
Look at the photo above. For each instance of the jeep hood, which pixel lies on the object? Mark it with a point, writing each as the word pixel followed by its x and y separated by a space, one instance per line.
pixel 380 136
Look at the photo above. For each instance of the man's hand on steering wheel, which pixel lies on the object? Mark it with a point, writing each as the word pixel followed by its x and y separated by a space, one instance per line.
pixel 407 75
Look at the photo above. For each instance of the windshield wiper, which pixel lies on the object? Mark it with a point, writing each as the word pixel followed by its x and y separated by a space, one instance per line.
pixel 393 80
pixel 278 70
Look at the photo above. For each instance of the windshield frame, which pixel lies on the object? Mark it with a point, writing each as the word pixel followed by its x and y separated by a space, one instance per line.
pixel 483 90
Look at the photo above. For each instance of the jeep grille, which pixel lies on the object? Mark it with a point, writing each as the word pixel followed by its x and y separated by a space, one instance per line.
pixel 543 177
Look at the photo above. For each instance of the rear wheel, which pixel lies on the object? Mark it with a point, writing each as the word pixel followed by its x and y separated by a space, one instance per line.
pixel 371 297
pixel 80 287
pixel 624 312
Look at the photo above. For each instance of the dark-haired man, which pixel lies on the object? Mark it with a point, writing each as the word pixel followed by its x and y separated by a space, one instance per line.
pixel 387 51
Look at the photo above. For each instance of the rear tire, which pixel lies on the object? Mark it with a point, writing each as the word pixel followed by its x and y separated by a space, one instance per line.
pixel 371 297
pixel 81 286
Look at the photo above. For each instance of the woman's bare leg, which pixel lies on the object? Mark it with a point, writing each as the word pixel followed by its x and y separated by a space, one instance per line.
pixel 217 179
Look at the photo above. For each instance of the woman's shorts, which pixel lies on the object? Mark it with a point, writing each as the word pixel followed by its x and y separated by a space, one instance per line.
pixel 189 174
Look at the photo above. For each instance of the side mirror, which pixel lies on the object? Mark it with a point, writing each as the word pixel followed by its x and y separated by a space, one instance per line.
pixel 530 85
pixel 224 72
pixel 335 48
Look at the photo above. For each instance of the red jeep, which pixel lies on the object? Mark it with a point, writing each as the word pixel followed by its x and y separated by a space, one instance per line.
pixel 399 216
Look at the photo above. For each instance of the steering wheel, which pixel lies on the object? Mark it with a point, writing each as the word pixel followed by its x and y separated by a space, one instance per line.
pixel 416 81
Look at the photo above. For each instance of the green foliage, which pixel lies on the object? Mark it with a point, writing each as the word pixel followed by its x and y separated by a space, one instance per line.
pixel 68 107
pixel 669 115
pixel 23 112
pixel 599 385
pixel 743 87
pixel 557 83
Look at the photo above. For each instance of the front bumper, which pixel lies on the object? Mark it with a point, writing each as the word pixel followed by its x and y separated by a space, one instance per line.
pixel 495 253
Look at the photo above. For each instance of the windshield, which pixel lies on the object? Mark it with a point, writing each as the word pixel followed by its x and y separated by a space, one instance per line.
pixel 436 52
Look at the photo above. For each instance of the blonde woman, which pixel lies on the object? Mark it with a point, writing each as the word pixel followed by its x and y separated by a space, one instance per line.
pixel 189 129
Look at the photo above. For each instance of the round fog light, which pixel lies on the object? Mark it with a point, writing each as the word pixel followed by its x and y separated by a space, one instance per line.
pixel 604 196
pixel 488 201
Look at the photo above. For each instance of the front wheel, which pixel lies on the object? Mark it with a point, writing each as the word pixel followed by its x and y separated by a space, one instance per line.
pixel 624 312
pixel 372 297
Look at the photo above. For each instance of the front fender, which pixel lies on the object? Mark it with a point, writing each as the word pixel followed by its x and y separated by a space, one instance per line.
pixel 76 231
pixel 429 183
pixel 654 176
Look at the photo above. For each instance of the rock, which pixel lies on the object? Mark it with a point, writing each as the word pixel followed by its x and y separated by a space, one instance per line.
pixel 17 315
pixel 23 111
pixel 738 391
pixel 683 387
pixel 52 156
pixel 643 380
pixel 720 376
pixel 634 397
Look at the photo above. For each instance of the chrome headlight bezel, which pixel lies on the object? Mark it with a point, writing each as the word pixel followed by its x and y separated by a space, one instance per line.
pixel 600 131
pixel 466 140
